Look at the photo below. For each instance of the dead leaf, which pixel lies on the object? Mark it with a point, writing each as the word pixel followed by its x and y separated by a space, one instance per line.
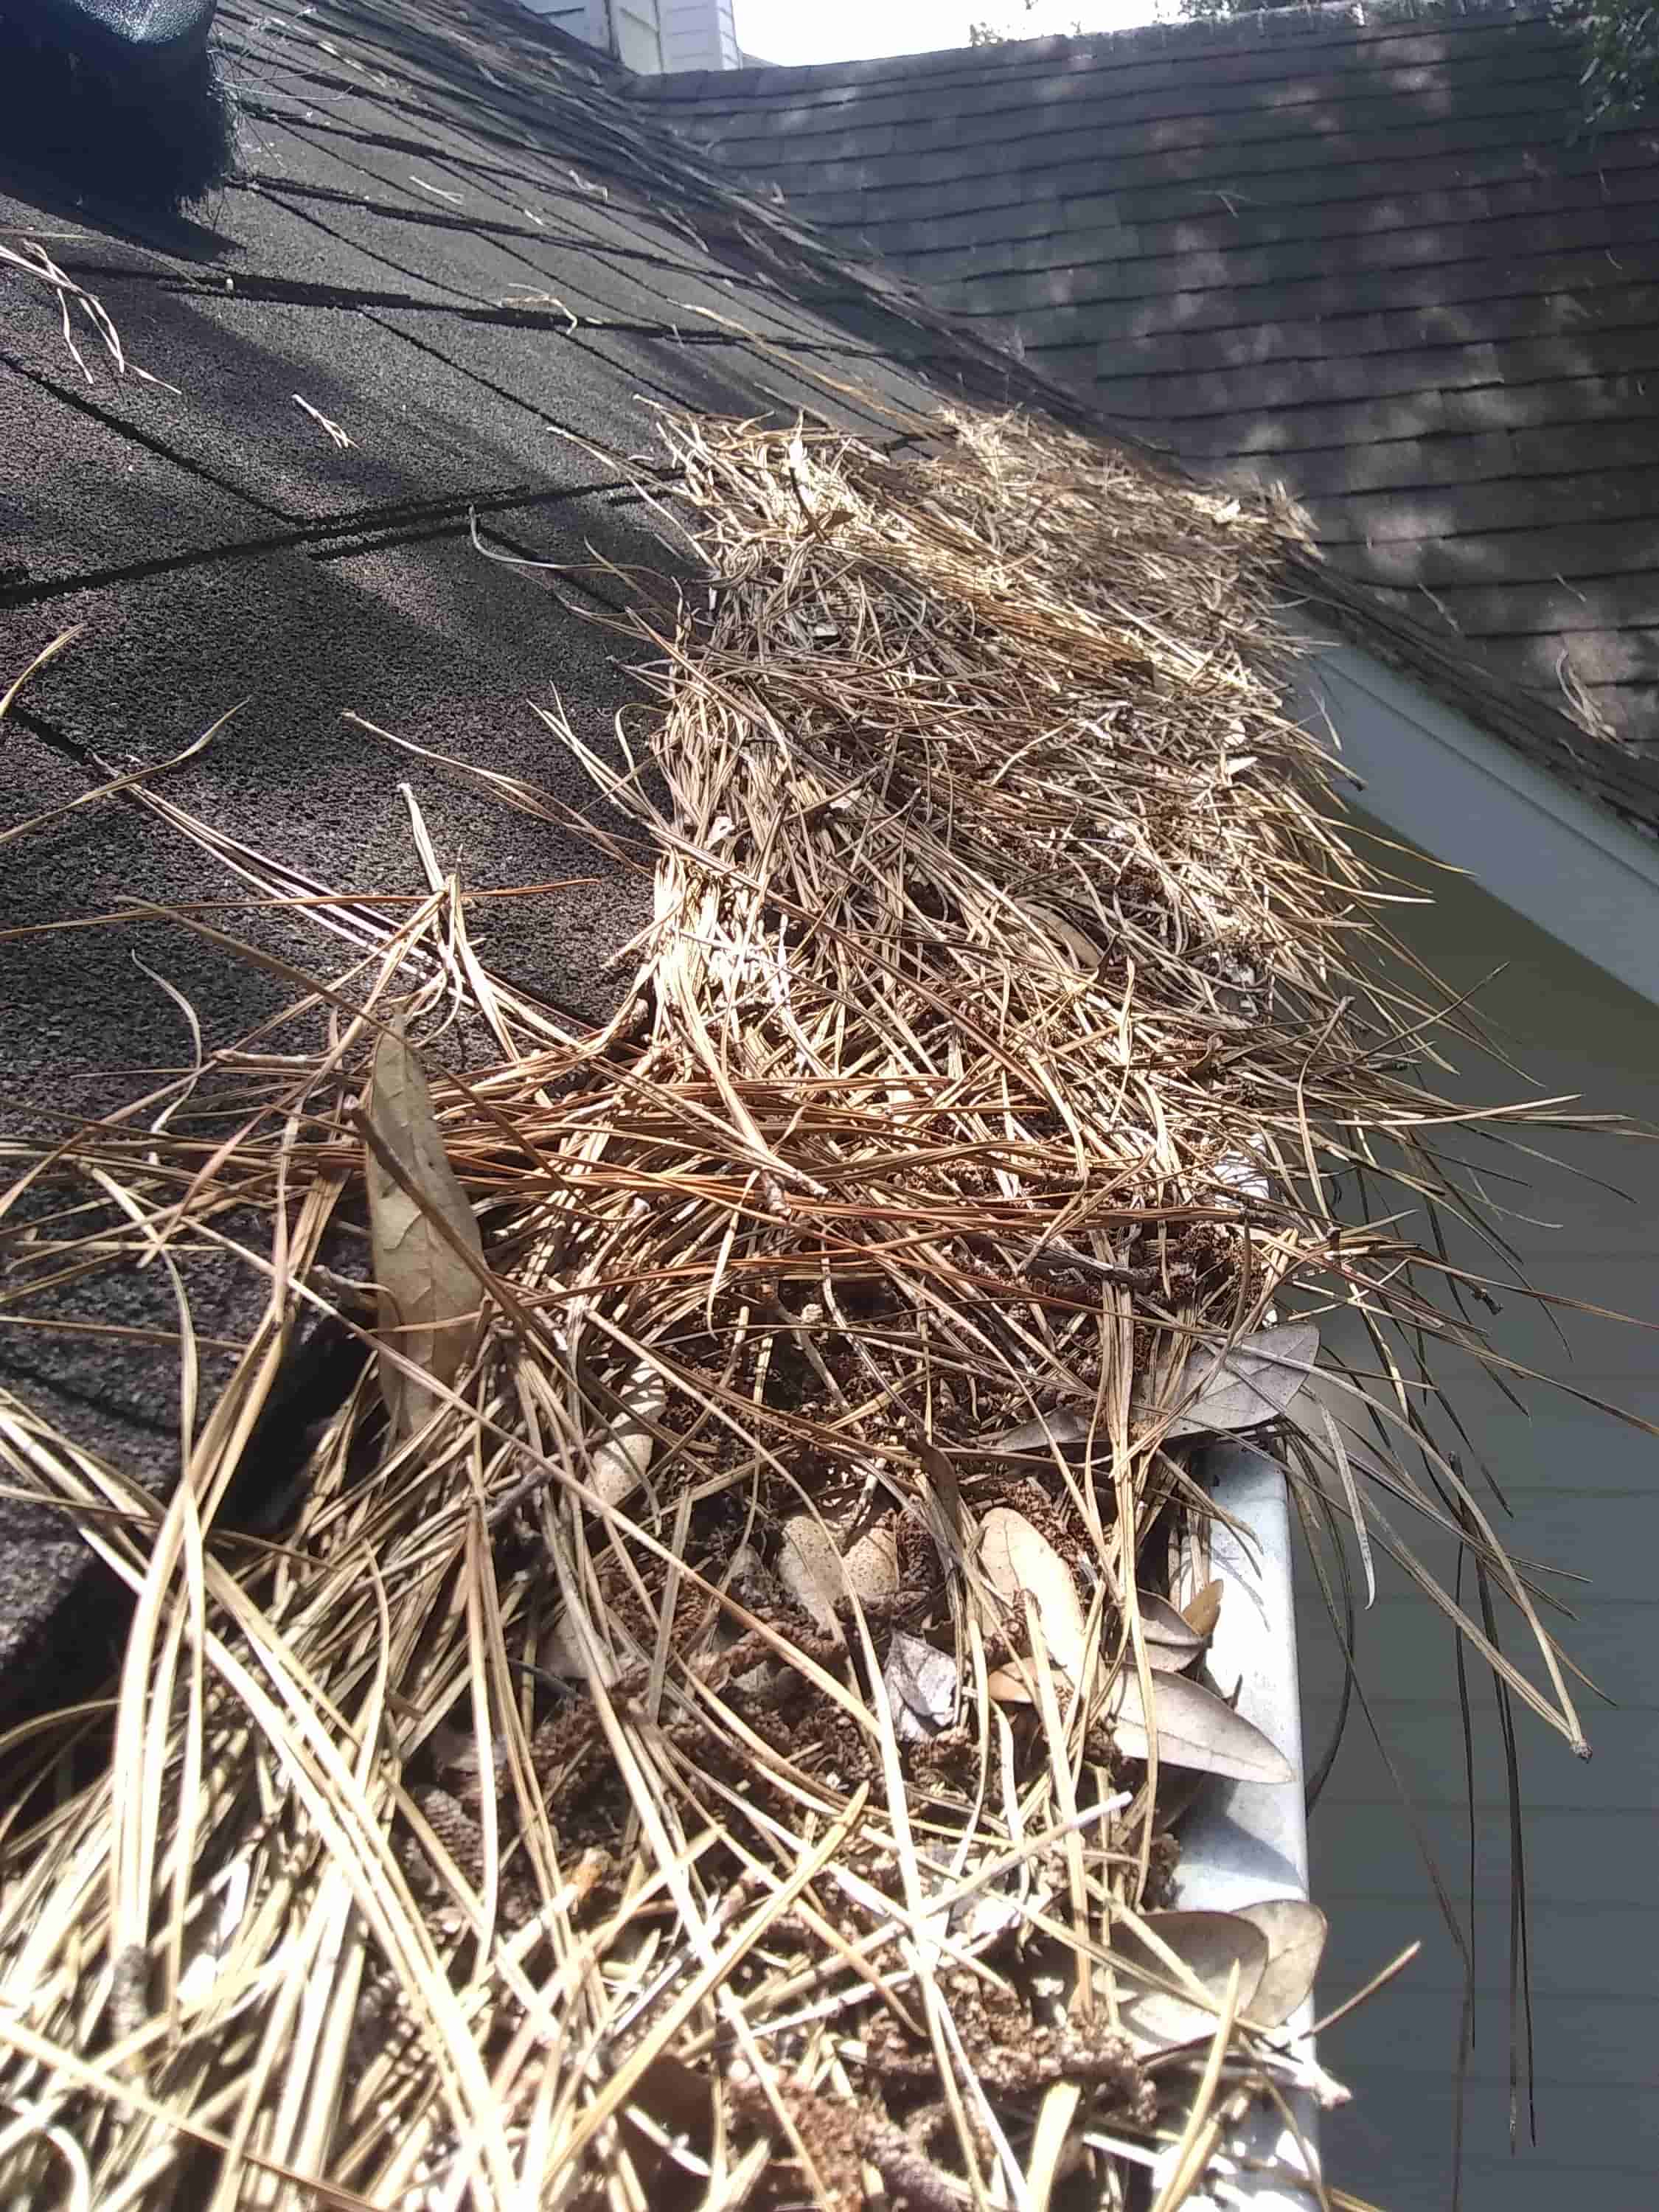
pixel 1240 1388
pixel 871 1565
pixel 818 1577
pixel 428 1297
pixel 1295 1933
pixel 1064 1430
pixel 1195 1728
pixel 1016 1559
pixel 622 1453
pixel 1067 943
pixel 809 1568
pixel 1202 1612
pixel 922 1688
pixel 1172 1643
pixel 1209 1945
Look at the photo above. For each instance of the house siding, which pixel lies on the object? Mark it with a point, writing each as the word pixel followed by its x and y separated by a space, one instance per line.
pixel 650 36
pixel 586 20
pixel 699 34
pixel 1583 1499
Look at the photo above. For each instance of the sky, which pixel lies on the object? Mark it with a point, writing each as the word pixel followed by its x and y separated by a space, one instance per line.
pixel 787 32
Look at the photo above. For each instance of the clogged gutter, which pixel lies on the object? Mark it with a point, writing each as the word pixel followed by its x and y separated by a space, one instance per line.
pixel 727 1738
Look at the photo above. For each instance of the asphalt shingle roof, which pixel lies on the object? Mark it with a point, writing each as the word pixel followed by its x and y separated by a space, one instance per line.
pixel 475 250
pixel 451 234
pixel 1381 262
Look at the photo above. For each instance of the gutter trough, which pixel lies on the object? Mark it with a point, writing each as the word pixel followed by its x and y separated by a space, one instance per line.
pixel 1245 1842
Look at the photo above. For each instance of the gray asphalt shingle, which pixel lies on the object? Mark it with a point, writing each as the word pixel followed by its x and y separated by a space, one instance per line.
pixel 424 187
pixel 1302 236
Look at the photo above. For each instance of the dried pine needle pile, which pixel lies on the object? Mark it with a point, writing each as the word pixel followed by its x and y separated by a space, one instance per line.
pixel 715 1728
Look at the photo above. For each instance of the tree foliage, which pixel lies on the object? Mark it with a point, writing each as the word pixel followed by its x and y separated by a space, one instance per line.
pixel 1621 56
pixel 1620 40
pixel 1003 30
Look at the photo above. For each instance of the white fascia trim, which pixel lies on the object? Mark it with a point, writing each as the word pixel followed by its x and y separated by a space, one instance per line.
pixel 1431 776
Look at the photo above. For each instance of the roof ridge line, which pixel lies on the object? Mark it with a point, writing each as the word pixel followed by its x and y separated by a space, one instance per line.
pixel 1263 26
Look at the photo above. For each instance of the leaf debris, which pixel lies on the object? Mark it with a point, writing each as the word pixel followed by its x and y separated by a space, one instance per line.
pixel 524 1825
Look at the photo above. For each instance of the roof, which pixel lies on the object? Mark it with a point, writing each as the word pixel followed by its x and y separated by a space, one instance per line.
pixel 1377 259
pixel 458 268
pixel 451 278
pixel 460 264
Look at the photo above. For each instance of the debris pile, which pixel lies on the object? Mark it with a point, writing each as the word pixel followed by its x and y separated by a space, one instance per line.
pixel 717 1727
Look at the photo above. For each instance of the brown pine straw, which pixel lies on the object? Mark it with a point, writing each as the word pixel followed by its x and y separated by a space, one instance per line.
pixel 1002 1031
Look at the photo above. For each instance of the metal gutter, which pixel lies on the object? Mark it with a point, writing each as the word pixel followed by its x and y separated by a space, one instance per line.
pixel 1244 1842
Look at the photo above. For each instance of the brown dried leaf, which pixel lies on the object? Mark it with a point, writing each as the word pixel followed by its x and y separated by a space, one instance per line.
pixel 1064 1430
pixel 921 1687
pixel 1172 1643
pixel 1252 1382
pixel 818 1577
pixel 428 1297
pixel 1194 1727
pixel 1201 1613
pixel 1296 1932
pixel 622 1455
pixel 1209 1945
pixel 1016 1558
